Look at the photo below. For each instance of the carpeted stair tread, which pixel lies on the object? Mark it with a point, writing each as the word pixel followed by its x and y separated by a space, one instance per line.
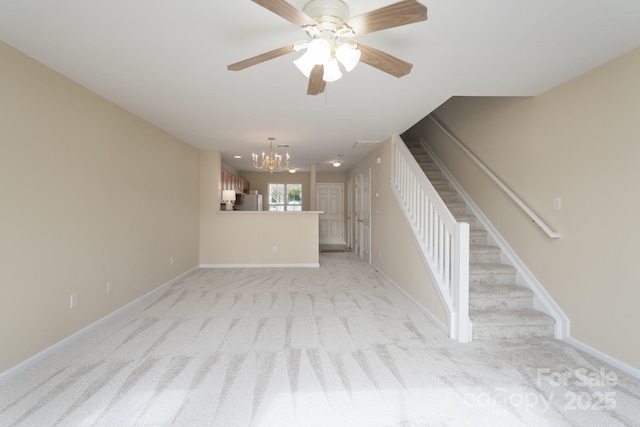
pixel 513 317
pixel 478 236
pixel 440 185
pixel 457 207
pixel 481 272
pixel 465 218
pixel 429 166
pixel 479 254
pixel 448 195
pixel 486 290
pixel 493 268
pixel 484 249
pixel 492 297
pixel 435 182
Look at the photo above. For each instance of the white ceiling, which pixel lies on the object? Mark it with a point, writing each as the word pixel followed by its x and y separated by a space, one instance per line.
pixel 165 61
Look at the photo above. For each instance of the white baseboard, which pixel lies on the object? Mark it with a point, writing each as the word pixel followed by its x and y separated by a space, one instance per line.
pixel 627 369
pixel 302 265
pixel 40 356
pixel 433 319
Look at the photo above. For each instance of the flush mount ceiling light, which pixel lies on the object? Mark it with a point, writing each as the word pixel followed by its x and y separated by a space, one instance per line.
pixel 330 30
pixel 272 161
pixel 336 163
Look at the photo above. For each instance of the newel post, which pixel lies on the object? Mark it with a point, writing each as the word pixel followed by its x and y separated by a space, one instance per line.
pixel 462 323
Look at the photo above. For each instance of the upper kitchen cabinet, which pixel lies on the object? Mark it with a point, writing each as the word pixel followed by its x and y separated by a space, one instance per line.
pixel 234 182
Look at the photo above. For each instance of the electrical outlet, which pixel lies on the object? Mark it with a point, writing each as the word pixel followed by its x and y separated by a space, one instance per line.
pixel 73 301
pixel 109 287
pixel 171 261
pixel 557 203
pixel 275 249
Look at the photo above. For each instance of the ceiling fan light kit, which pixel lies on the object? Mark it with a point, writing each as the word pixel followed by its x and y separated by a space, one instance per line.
pixel 348 55
pixel 330 29
pixel 331 71
pixel 319 51
pixel 305 64
pixel 326 45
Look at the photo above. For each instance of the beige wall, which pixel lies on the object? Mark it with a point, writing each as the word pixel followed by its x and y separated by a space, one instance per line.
pixel 331 178
pixel 393 249
pixel 248 238
pixel 89 194
pixel 579 141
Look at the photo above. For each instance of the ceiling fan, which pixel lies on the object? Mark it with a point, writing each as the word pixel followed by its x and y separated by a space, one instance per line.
pixel 330 33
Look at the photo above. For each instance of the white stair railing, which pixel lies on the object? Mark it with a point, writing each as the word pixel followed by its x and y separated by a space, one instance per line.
pixel 444 242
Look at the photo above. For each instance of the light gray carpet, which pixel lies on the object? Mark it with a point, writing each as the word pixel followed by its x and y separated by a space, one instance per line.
pixel 334 346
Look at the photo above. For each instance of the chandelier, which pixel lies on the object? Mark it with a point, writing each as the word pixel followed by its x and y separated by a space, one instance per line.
pixel 328 46
pixel 272 161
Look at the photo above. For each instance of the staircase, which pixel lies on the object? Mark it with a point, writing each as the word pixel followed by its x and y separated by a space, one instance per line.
pixel 498 307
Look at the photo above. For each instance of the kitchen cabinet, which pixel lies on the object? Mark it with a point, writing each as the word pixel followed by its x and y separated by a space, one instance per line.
pixel 233 182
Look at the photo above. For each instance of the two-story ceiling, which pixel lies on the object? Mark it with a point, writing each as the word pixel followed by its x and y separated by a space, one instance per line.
pixel 166 61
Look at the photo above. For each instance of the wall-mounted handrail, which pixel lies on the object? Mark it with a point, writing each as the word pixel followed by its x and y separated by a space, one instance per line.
pixel 552 234
pixel 443 242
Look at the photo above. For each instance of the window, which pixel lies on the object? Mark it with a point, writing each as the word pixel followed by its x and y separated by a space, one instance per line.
pixel 285 197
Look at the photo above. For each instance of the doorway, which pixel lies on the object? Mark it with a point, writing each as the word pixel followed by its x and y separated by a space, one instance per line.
pixel 330 200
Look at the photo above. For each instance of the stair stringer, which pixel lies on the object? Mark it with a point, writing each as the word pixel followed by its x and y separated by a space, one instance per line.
pixel 542 301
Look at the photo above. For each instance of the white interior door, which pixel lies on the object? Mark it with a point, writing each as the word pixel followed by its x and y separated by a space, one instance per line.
pixel 350 214
pixel 358 228
pixel 330 200
pixel 366 216
pixel 363 214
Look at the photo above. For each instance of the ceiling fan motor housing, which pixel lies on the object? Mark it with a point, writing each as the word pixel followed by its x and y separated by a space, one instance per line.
pixel 334 11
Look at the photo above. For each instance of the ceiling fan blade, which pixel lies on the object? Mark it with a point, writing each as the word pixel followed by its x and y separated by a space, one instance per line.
pixel 383 61
pixel 395 15
pixel 316 83
pixel 286 11
pixel 254 60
